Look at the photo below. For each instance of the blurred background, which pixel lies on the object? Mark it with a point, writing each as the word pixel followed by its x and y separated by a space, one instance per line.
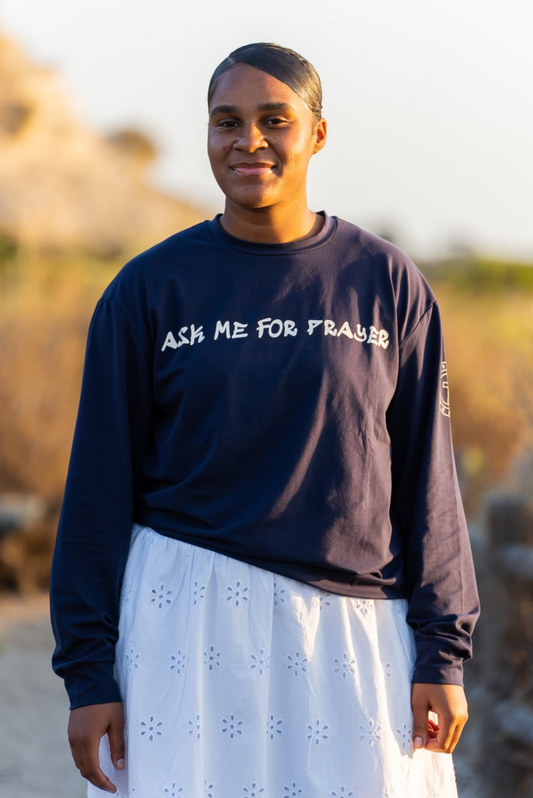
pixel 103 127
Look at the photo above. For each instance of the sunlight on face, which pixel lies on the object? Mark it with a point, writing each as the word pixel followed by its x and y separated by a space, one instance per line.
pixel 261 136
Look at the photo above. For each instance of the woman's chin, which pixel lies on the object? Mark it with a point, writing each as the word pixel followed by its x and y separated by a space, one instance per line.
pixel 252 197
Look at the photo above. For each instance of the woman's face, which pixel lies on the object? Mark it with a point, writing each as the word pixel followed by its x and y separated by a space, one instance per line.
pixel 261 136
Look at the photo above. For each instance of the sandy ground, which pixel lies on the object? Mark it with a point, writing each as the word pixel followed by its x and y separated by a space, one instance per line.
pixel 35 759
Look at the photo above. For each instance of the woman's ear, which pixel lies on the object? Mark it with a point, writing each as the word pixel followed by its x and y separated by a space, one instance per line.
pixel 320 135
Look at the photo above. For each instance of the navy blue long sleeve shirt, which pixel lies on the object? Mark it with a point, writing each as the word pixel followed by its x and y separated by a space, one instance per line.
pixel 283 404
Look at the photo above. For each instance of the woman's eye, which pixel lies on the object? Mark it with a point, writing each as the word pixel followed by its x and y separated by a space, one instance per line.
pixel 230 123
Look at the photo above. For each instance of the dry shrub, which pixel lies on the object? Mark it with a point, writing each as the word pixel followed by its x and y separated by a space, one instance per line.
pixel 45 309
pixel 490 367
pixel 26 556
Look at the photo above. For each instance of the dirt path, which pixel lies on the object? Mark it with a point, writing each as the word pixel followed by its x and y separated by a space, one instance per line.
pixel 35 759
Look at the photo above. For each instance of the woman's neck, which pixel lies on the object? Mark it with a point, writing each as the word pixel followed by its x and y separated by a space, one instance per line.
pixel 271 225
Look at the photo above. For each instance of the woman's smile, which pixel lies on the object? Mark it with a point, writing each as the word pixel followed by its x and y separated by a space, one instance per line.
pixel 247 170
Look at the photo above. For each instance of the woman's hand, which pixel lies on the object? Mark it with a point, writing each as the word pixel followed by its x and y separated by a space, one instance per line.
pixel 448 702
pixel 85 728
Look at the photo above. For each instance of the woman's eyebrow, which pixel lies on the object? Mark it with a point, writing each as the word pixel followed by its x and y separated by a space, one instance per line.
pixel 232 109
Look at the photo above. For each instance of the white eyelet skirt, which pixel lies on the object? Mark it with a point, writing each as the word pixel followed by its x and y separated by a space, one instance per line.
pixel 241 683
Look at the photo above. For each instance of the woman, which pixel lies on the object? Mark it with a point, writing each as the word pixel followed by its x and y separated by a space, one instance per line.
pixel 262 582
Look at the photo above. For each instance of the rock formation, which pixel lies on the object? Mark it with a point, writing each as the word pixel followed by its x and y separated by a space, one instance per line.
pixel 64 186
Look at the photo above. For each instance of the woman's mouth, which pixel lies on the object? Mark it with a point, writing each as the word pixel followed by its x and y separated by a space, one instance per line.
pixel 252 169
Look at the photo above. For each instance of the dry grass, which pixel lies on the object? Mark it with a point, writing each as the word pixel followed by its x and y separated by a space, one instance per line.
pixel 489 345
pixel 45 309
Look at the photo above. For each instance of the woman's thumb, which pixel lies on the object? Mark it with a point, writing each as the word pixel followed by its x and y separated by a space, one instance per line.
pixel 420 721
pixel 116 743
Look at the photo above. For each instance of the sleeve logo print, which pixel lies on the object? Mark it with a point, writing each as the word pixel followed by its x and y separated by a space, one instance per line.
pixel 274 328
pixel 444 398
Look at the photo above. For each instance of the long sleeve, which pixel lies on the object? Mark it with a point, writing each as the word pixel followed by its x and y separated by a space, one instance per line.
pixel 427 506
pixel 94 531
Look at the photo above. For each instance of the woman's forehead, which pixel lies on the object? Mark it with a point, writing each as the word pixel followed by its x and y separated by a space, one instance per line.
pixel 245 85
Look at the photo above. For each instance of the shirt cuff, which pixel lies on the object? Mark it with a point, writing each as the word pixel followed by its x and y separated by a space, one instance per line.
pixel 437 665
pixel 92 684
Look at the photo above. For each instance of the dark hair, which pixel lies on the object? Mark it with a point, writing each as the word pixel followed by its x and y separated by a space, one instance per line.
pixel 282 63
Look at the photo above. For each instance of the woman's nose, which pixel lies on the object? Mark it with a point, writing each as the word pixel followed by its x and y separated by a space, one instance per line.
pixel 251 138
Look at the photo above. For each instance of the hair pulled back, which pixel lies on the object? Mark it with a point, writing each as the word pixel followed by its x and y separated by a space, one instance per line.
pixel 282 63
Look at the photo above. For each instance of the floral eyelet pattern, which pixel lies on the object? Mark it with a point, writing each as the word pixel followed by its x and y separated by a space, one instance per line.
pixel 173 791
pixel 224 667
pixel 297 664
pixel 293 791
pixel 161 596
pixel 364 606
pixel 177 662
pixel 211 658
pixel 195 727
pixel 274 727
pixel 259 662
pixel 131 659
pixel 254 791
pixel 317 732
pixel 387 669
pixel 404 736
pixel 151 728
pixel 237 594
pixel 198 592
pixel 125 594
pixel 278 593
pixel 345 665
pixel 232 726
pixel 371 732
pixel 322 599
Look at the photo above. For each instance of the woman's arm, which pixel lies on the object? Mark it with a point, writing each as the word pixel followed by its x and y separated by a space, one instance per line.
pixel 427 505
pixel 110 438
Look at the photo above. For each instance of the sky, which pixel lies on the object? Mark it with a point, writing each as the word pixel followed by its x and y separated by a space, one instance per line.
pixel 429 105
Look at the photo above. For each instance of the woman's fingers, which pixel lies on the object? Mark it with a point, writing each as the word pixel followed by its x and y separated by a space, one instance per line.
pixel 116 743
pixel 87 725
pixel 456 735
pixel 77 755
pixel 441 743
pixel 433 729
pixel 92 770
pixel 449 703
